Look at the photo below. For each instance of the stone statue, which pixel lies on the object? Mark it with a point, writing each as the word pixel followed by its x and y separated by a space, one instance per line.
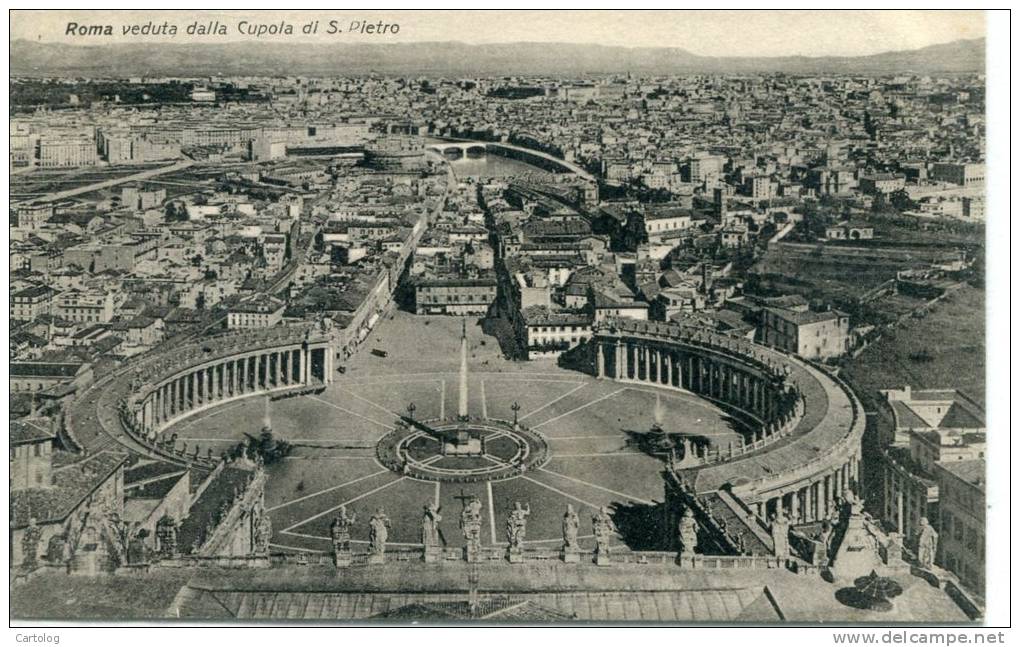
pixel 379 526
pixel 138 551
pixel 854 503
pixel 571 524
pixel 57 550
pixel 263 533
pixel 471 526
pixel 603 529
pixel 430 519
pixel 688 529
pixel 894 550
pixel 517 525
pixel 781 535
pixel 166 536
pixel 824 541
pixel 30 545
pixel 927 544
pixel 340 530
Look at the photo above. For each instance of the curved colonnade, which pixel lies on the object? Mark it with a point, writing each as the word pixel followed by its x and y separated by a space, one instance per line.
pixel 806 424
pixel 156 390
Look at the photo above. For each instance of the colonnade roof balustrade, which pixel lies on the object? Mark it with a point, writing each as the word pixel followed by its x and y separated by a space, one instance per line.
pixel 829 430
pixel 93 419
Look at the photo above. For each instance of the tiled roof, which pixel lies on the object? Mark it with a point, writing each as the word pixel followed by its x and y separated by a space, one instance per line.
pixel 71 484
pixel 972 470
pixel 30 430
pixel 45 369
pixel 543 316
pixel 205 510
pixel 749 604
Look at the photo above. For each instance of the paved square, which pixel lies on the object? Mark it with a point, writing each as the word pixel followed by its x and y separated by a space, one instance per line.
pixel 590 427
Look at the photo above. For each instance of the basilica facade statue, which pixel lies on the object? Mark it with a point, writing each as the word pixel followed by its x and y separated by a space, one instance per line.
pixel 603 529
pixel 781 535
pixel 927 544
pixel 340 530
pixel 430 526
pixel 688 530
pixel 571 524
pixel 517 524
pixel 471 526
pixel 378 532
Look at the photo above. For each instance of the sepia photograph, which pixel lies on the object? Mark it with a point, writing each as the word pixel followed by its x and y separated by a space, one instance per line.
pixel 483 318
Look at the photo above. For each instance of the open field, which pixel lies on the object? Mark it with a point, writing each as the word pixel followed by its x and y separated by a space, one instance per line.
pixel 952 336
pixel 40 182
pixel 585 421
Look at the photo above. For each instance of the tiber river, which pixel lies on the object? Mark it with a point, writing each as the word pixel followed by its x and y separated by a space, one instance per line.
pixel 492 166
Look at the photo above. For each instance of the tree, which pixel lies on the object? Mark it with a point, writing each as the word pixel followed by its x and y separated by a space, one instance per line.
pixel 869 125
pixel 175 212
pixel 901 201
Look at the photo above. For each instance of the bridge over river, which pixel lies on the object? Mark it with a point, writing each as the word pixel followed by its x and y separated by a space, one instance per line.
pixel 468 148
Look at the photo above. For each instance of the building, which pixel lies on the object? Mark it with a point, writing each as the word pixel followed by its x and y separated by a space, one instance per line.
pixel 804 332
pixel 31 446
pixel 931 428
pixel 154 492
pixel 31 216
pixel 52 152
pixel 826 181
pixel 973 207
pixel 881 183
pixel 965 175
pixel 548 333
pixel 656 223
pixel 85 307
pixel 65 519
pixel 849 231
pixel 228 517
pixel 274 250
pixel 123 254
pixel 704 168
pixel 962 520
pixel 454 296
pixel 760 187
pixel 29 303
pixel 733 237
pixel 38 376
pixel 259 312
pixel 609 304
pixel 139 199
pixel 203 95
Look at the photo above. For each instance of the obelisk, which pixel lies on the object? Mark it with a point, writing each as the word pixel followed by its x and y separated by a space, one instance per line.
pixel 462 405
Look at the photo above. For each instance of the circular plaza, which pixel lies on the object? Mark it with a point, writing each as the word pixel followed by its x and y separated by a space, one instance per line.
pixel 381 435
pixel 662 418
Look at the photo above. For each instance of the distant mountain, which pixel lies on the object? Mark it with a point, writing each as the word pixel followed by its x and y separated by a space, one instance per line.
pixel 454 58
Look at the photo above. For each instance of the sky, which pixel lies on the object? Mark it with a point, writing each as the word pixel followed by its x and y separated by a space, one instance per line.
pixel 708 33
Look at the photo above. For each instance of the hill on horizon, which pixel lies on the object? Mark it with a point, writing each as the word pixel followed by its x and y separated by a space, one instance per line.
pixel 30 58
